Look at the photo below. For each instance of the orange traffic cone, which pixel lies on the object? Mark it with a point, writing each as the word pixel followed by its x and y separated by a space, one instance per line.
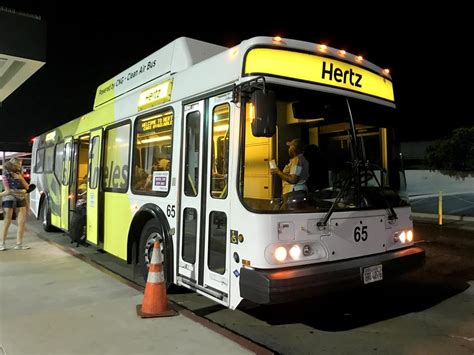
pixel 155 300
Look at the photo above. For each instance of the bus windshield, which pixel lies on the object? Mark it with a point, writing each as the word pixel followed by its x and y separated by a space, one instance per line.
pixel 318 152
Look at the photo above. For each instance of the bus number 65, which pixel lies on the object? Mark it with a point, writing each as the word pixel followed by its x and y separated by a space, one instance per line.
pixel 170 211
pixel 360 233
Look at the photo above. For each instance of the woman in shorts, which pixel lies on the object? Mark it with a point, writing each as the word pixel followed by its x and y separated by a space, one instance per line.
pixel 14 196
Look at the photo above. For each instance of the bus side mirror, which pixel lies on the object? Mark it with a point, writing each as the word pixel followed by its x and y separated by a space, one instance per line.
pixel 265 113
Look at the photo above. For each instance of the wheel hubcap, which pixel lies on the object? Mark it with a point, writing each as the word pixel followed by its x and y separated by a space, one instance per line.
pixel 149 246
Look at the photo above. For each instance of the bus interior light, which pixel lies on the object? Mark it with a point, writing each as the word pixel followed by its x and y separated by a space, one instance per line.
pixel 155 139
pixel 251 112
pixel 409 236
pixel 221 128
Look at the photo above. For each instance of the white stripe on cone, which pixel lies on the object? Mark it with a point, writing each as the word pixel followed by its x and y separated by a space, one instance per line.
pixel 156 257
pixel 155 277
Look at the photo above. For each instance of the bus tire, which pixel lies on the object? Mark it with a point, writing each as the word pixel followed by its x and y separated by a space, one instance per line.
pixel 78 231
pixel 46 216
pixel 152 231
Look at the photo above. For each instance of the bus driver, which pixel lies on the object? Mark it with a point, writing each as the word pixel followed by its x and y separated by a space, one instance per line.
pixel 296 172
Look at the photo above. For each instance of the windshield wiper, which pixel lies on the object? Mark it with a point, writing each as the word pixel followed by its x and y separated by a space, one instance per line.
pixel 392 215
pixel 346 184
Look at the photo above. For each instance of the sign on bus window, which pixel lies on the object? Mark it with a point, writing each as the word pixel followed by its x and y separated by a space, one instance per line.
pixel 152 154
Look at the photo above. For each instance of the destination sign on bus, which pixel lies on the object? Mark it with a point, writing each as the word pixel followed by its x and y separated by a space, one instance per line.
pixel 155 95
pixel 155 122
pixel 318 69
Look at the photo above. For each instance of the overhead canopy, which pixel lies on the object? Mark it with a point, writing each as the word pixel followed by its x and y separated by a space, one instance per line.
pixel 22 49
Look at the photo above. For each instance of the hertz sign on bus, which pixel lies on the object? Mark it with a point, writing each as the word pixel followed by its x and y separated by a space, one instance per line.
pixel 317 69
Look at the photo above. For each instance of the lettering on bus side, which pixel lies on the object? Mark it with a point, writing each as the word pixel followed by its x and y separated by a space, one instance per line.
pixel 340 76
pixel 115 176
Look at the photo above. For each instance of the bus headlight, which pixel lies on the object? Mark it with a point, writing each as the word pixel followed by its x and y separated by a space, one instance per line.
pixel 280 254
pixel 277 254
pixel 295 252
pixel 403 237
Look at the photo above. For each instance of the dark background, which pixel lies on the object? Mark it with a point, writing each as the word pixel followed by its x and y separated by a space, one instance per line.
pixel 427 52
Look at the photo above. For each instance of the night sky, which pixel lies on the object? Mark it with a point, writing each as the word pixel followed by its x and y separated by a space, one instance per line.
pixel 87 46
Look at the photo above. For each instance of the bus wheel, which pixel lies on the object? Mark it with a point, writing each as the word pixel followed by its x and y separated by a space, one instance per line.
pixel 78 226
pixel 152 231
pixel 46 216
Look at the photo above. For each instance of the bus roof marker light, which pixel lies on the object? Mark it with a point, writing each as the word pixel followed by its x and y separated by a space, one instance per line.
pixel 234 51
pixel 277 39
pixel 386 71
pixel 342 53
pixel 359 58
pixel 323 47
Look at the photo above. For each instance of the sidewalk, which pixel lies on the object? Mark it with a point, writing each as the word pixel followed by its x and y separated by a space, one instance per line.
pixel 54 303
pixel 456 206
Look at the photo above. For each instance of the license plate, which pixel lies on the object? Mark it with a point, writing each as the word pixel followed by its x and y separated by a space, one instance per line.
pixel 372 274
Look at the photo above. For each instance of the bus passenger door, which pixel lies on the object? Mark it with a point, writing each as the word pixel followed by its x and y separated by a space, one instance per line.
pixel 94 197
pixel 215 265
pixel 191 194
pixel 204 211
pixel 66 177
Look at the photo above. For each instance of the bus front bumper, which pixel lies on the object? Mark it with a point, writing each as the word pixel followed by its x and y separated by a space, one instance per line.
pixel 290 284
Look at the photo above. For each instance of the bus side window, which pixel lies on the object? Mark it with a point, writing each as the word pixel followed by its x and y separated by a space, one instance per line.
pixel 116 158
pixel 48 159
pixel 58 161
pixel 191 174
pixel 220 151
pixel 67 163
pixel 152 154
pixel 94 163
pixel 39 160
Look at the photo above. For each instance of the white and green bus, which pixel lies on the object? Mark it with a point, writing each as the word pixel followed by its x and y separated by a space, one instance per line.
pixel 177 148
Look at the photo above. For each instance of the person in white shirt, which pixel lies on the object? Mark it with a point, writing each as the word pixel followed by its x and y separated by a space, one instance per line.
pixel 296 172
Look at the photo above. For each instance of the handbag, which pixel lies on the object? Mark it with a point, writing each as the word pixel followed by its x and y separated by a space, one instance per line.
pixel 20 194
